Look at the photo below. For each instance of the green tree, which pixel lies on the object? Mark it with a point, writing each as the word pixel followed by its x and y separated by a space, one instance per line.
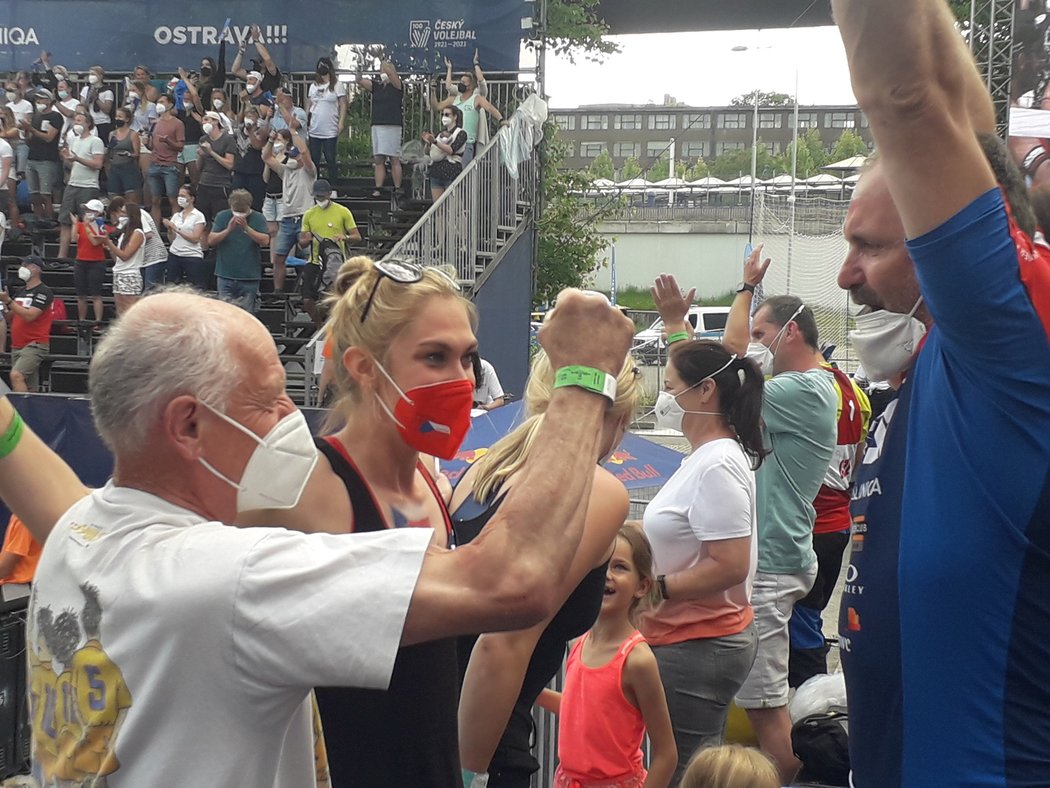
pixel 602 166
pixel 695 171
pixel 576 29
pixel 570 247
pixel 734 163
pixel 849 144
pixel 631 169
pixel 659 169
pixel 764 99
pixel 811 155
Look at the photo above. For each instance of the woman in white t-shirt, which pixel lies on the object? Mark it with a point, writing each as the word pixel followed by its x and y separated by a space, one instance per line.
pixel 702 528
pixel 99 101
pixel 327 110
pixel 128 255
pixel 186 228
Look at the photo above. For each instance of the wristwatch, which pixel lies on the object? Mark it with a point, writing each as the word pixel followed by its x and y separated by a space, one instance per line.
pixel 587 378
pixel 661 585
pixel 740 288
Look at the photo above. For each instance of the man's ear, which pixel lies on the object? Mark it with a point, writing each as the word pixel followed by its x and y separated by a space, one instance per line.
pixel 180 424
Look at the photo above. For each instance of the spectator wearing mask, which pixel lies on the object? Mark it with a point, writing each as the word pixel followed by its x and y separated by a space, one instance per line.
pixel 387 121
pixel 212 75
pixel 237 235
pixel 296 169
pixel 8 179
pixel 186 229
pixel 44 166
pixel 327 118
pixel 122 154
pixel 19 556
pixel 287 115
pixel 86 153
pixel 141 100
pixel 29 314
pixel 326 220
pixel 220 105
pixel 446 151
pixel 215 152
pixel 251 136
pixel 191 112
pixel 89 268
pixel 167 142
pixel 273 204
pixel 155 258
pixel 267 77
pixel 66 104
pixel 143 77
pixel 99 101
pixel 22 110
pixel 128 255
pixel 469 102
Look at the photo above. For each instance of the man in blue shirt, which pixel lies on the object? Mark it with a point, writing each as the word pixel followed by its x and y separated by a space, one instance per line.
pixel 945 603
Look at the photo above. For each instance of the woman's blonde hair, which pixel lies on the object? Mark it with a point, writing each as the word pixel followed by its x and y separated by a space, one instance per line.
pixel 730 766
pixel 394 306
pixel 508 455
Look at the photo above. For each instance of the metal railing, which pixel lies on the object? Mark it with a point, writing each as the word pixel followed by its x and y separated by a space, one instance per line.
pixel 469 223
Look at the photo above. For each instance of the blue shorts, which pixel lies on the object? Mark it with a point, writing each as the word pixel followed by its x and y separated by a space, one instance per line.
pixel 164 180
pixel 287 235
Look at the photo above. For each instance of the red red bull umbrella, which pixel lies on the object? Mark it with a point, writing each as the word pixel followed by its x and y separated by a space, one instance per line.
pixel 637 462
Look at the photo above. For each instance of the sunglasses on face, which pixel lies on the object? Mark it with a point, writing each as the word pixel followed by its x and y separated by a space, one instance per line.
pixel 404 272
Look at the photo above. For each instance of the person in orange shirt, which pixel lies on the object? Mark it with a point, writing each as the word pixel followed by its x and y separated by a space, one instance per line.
pixel 19 555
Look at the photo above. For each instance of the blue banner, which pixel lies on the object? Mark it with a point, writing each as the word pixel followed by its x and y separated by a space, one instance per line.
pixel 120 34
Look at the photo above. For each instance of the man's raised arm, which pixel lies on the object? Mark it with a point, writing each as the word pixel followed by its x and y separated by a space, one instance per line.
pixel 917 83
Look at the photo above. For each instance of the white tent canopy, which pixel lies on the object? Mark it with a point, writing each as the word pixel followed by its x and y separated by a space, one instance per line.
pixel 852 164
pixel 824 179
pixel 603 183
pixel 671 183
pixel 635 184
pixel 710 182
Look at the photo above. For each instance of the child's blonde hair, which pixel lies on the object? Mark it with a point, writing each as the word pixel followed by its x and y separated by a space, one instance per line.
pixel 730 766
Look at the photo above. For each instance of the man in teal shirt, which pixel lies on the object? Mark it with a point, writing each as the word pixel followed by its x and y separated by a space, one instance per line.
pixel 237 234
pixel 799 408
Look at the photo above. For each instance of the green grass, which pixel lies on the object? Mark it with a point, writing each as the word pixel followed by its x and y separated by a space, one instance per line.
pixel 639 298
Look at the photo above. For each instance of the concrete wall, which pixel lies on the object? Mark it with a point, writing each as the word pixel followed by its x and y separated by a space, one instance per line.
pixel 705 255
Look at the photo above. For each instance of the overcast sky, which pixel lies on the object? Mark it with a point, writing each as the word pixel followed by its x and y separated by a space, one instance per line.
pixel 702 69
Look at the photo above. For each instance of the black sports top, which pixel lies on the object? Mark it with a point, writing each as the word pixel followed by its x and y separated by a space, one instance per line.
pixel 407 735
pixel 513 757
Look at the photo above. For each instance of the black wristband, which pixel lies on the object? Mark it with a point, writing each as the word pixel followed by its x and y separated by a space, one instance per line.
pixel 661 584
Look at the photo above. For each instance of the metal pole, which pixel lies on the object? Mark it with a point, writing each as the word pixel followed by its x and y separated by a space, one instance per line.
pixel 671 174
pixel 794 177
pixel 754 170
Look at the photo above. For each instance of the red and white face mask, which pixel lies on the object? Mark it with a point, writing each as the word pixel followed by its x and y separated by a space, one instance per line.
pixel 432 419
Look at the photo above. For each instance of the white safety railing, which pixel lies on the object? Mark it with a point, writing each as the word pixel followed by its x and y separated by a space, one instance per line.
pixel 469 223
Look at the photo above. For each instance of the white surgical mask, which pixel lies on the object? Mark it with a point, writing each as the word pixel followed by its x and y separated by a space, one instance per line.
pixel 279 468
pixel 251 87
pixel 384 77
pixel 278 148
pixel 93 79
pixel 42 107
pixel 248 122
pixel 292 164
pixel 122 222
pixel 133 96
pixel 239 215
pixel 208 128
pixel 446 121
pixel 161 108
pixel 217 103
pixel 886 341
pixel 322 204
pixel 90 216
pixel 78 129
pixel 183 201
pixel 669 414
pixel 765 356
pixel 24 274
pixel 11 95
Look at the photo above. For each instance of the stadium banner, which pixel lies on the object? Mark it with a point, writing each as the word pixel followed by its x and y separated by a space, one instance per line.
pixel 119 34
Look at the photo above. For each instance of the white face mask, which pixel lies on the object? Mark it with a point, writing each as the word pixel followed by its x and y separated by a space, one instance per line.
pixel 886 341
pixel 122 222
pixel 384 77
pixel 133 96
pixel 90 216
pixel 239 215
pixel 208 128
pixel 322 204
pixel 279 468
pixel 78 129
pixel 217 103
pixel 669 414
pixel 447 122
pixel 248 122
pixel 12 96
pixel 765 356
pixel 93 79
pixel 24 274
pixel 292 164
pixel 161 108
pixel 251 87
pixel 278 148
pixel 42 107
pixel 183 201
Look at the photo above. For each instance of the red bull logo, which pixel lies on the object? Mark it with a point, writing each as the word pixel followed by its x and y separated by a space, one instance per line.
pixel 620 457
pixel 471 456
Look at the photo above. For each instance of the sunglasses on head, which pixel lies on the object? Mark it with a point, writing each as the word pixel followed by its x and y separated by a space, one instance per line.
pixel 404 272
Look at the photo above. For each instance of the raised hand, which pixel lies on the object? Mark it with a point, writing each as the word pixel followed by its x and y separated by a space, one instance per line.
pixel 585 329
pixel 755 267
pixel 672 304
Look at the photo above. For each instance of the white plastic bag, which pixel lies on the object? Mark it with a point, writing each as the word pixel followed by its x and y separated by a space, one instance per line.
pixel 819 695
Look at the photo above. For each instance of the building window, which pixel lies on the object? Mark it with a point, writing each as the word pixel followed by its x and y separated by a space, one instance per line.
pixel 694 150
pixel 654 149
pixel 772 148
pixel 771 120
pixel 566 122
pixel 626 150
pixel 863 121
pixel 628 122
pixel 591 150
pixel 839 120
pixel 661 122
pixel 806 120
pixel 732 120
pixel 594 122
pixel 725 147
pixel 702 121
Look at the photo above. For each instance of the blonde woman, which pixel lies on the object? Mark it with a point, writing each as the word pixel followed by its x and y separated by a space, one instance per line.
pixel 507 671
pixel 98 99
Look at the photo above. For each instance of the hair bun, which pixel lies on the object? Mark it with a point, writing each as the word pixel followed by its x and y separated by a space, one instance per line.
pixel 350 272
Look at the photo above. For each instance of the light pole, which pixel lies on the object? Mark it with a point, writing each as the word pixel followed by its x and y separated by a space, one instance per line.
pixel 754 152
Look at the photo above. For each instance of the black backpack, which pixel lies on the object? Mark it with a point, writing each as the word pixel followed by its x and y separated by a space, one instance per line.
pixel 821 742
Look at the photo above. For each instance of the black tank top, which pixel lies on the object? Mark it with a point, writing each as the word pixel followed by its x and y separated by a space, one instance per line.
pixel 513 761
pixel 407 735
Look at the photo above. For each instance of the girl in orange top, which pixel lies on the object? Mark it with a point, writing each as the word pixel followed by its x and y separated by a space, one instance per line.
pixel 613 692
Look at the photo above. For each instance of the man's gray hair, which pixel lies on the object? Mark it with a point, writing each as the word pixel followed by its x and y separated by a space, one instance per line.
pixel 153 355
